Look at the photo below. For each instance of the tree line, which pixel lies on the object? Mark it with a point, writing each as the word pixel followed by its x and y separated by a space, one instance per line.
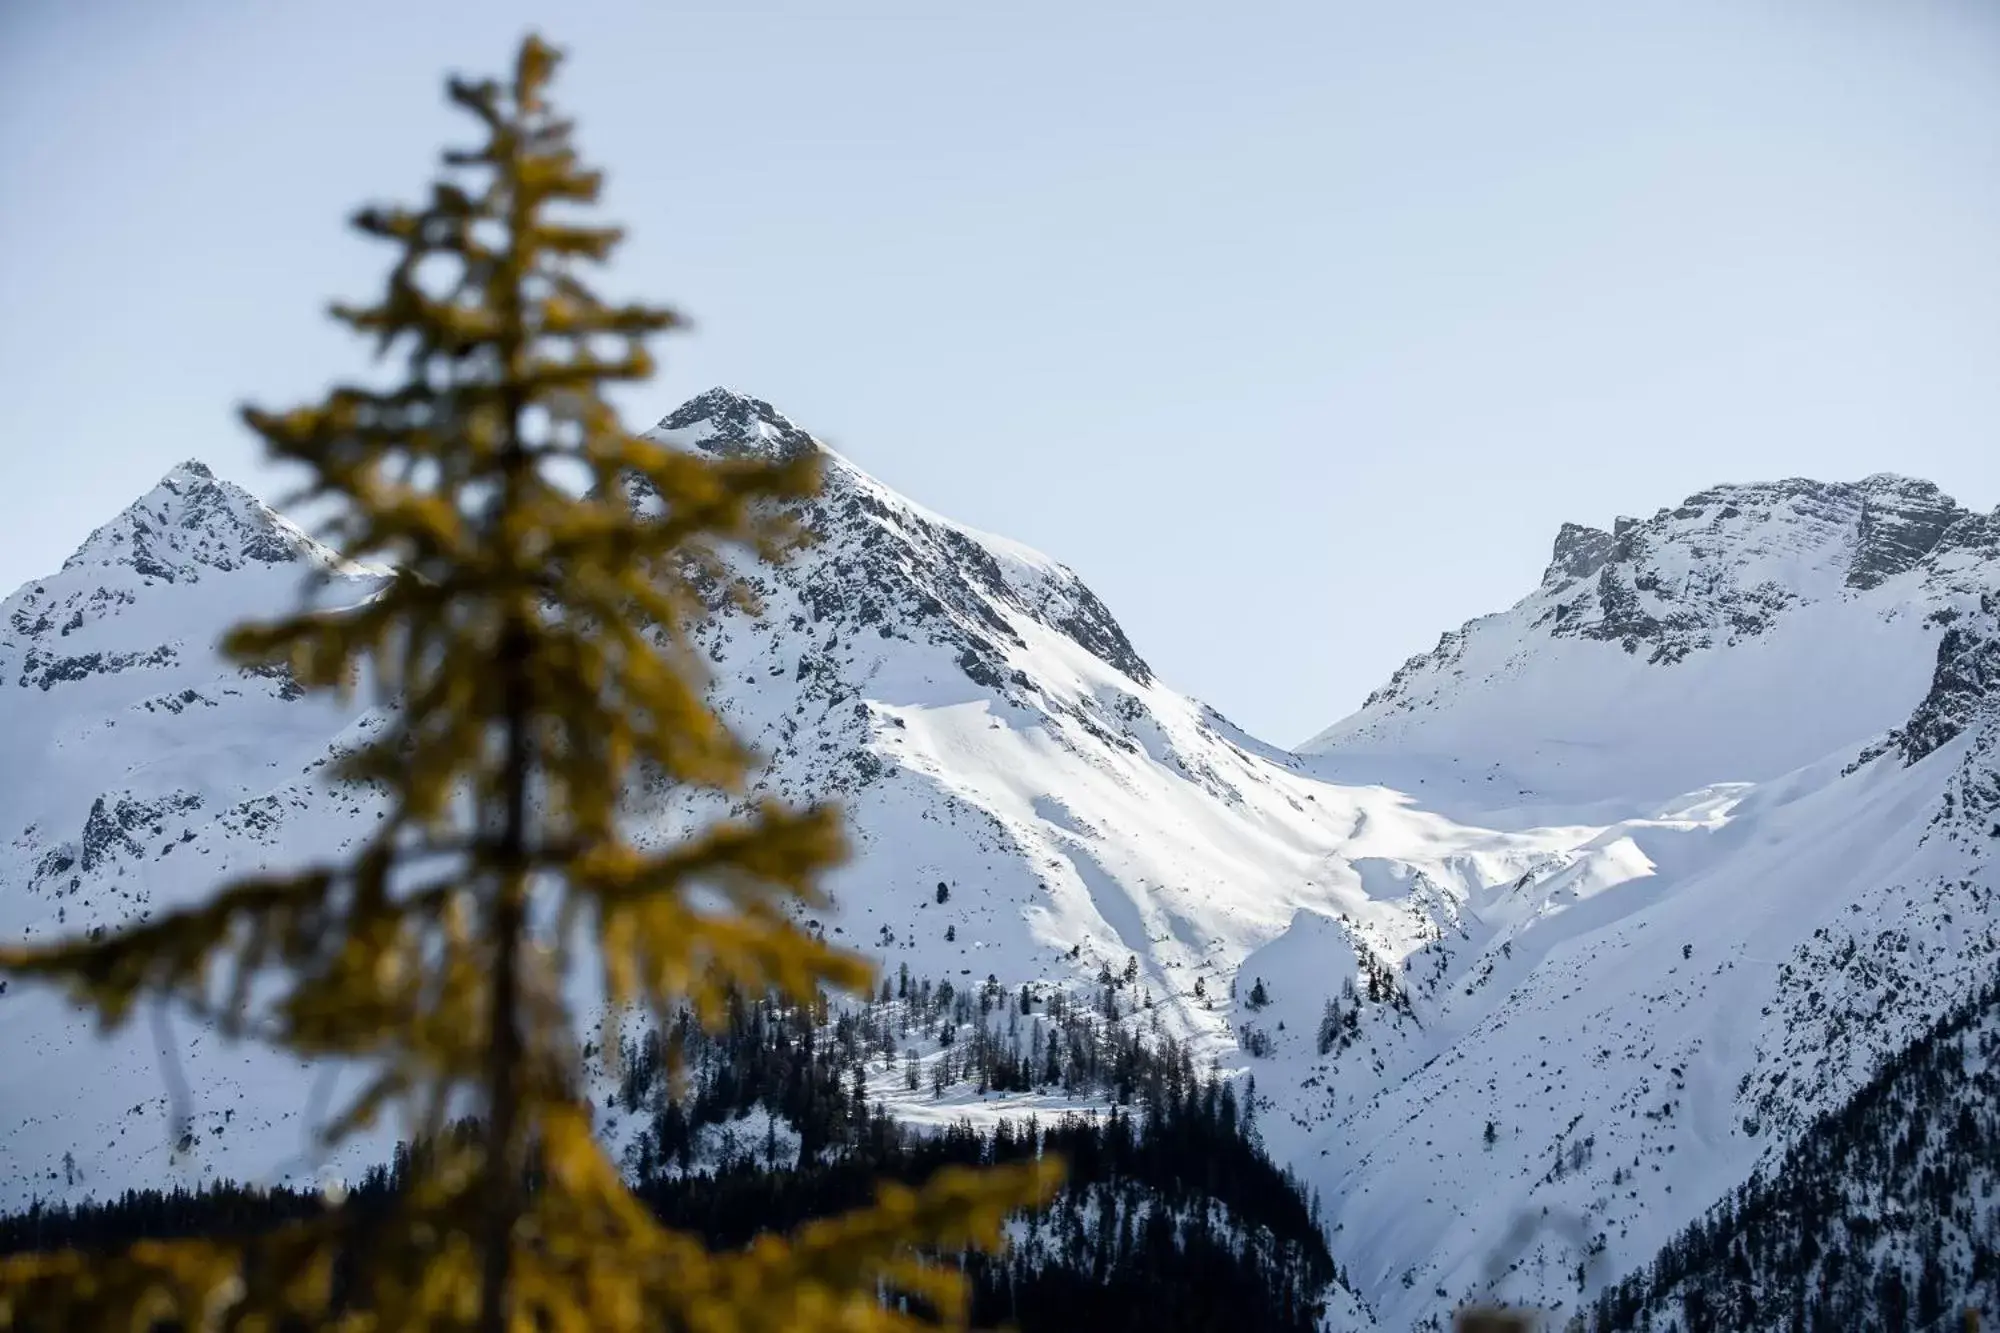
pixel 1885 1214
pixel 1172 1216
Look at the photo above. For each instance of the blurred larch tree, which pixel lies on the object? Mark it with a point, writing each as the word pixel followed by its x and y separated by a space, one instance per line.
pixel 532 653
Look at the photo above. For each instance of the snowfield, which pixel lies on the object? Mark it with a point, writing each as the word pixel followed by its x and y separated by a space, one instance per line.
pixel 1581 918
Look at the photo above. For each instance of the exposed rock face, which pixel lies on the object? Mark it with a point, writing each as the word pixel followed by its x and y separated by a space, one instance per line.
pixel 1676 583
pixel 723 422
pixel 1902 521
pixel 1580 552
pixel 1968 670
pixel 885 566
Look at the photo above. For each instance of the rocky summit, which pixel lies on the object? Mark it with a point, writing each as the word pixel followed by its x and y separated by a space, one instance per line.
pixel 1794 615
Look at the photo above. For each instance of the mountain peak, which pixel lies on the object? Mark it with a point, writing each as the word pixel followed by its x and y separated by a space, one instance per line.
pixel 1648 639
pixel 1873 529
pixel 190 523
pixel 722 421
pixel 1897 481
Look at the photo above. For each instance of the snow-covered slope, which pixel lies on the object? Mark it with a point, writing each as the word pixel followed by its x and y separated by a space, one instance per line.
pixel 1880 1217
pixel 1644 872
pixel 142 767
pixel 1772 708
pixel 979 711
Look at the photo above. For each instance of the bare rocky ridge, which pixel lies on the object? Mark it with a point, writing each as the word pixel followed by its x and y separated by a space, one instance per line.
pixel 1680 581
pixel 1836 592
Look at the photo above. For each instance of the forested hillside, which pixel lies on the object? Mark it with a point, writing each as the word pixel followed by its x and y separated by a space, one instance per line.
pixel 1886 1215
pixel 1173 1216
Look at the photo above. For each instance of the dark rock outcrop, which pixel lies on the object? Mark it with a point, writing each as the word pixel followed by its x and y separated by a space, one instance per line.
pixel 1902 521
pixel 1967 672
pixel 1580 552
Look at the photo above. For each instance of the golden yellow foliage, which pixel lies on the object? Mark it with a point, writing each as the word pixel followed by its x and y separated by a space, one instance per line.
pixel 533 645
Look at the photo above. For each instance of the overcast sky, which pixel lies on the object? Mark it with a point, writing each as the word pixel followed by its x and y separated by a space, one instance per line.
pixel 1297 330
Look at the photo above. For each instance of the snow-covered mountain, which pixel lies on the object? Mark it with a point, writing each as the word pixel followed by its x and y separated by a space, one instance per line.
pixel 1769 711
pixel 1643 873
pixel 983 717
pixel 1744 633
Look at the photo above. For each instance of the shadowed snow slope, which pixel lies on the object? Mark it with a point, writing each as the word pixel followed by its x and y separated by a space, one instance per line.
pixel 1643 872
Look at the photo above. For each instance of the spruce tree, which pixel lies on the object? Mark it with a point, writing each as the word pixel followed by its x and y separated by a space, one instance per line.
pixel 532 658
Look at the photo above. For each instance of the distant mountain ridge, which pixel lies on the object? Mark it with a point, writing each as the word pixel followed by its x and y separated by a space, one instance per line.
pixel 1743 633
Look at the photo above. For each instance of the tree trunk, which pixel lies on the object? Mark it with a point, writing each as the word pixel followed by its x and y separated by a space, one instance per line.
pixel 505 1164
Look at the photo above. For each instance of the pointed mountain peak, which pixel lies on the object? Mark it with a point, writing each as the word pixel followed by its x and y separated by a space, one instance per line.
pixel 722 421
pixel 192 523
pixel 897 568
pixel 723 406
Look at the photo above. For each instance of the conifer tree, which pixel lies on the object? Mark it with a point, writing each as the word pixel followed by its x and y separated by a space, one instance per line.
pixel 532 659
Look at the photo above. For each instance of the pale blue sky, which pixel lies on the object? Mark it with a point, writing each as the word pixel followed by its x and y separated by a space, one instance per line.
pixel 1296 329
